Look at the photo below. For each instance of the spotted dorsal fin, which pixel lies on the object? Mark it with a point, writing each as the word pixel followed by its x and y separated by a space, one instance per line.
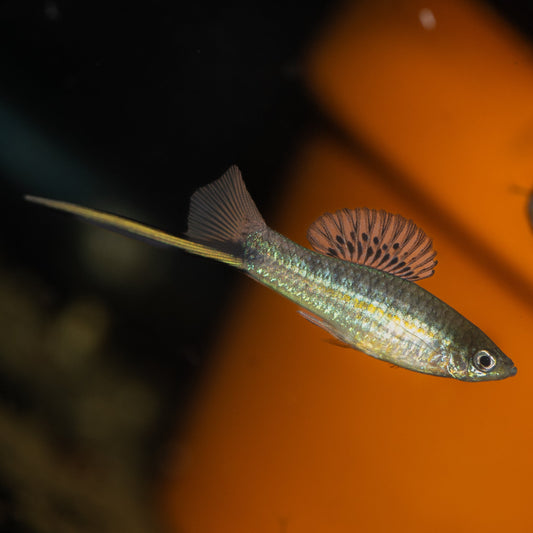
pixel 376 239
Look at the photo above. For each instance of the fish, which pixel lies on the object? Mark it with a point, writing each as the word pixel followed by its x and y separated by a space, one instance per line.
pixel 358 282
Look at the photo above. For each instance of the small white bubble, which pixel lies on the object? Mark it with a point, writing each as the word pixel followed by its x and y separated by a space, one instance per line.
pixel 427 19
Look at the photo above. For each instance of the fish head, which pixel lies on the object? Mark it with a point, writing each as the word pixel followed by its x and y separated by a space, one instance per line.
pixel 480 361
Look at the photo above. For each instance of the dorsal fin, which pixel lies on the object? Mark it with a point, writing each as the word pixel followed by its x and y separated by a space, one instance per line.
pixel 377 239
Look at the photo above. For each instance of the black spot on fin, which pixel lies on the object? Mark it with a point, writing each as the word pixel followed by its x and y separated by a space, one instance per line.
pixel 408 250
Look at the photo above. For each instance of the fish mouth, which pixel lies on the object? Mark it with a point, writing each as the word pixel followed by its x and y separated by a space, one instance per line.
pixel 513 371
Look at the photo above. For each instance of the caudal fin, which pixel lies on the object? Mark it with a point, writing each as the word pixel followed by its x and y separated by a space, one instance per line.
pixel 221 216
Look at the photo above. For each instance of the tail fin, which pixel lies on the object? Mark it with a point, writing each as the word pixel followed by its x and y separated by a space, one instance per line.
pixel 221 216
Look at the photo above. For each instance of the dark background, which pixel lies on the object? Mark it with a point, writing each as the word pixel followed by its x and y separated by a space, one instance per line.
pixel 133 108
pixel 128 107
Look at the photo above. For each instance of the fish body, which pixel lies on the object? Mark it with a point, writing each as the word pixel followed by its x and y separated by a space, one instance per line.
pixel 381 314
pixel 358 285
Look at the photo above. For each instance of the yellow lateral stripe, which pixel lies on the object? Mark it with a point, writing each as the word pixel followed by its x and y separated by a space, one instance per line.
pixel 135 228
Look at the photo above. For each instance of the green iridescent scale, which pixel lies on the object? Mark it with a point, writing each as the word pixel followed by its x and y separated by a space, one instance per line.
pixel 381 314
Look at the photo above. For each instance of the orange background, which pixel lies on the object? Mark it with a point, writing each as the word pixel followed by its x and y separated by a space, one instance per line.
pixel 293 434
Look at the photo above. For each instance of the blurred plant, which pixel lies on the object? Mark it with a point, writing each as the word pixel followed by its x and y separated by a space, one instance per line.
pixel 73 427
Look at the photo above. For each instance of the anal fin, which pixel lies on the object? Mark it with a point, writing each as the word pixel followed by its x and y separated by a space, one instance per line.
pixel 337 339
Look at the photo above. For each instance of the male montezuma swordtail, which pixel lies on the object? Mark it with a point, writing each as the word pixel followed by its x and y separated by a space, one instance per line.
pixel 358 285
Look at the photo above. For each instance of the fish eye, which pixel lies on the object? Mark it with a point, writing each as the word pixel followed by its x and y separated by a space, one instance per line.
pixel 484 361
